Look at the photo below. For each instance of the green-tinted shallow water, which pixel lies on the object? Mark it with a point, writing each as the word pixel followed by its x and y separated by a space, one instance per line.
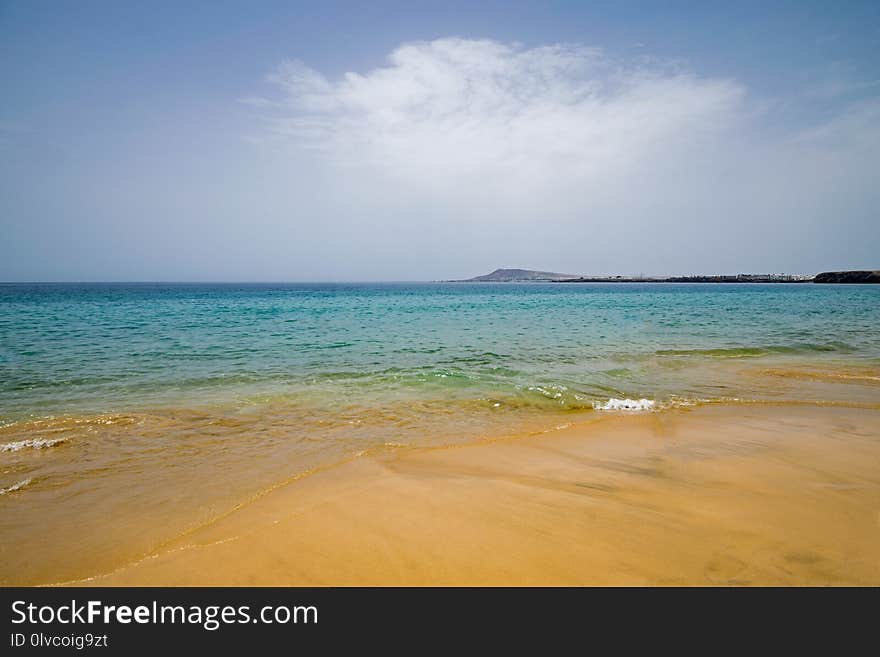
pixel 107 348
pixel 162 406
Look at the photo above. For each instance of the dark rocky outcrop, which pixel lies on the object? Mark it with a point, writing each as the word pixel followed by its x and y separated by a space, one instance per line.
pixel 861 276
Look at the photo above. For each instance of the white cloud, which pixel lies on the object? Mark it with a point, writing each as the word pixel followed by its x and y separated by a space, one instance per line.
pixel 474 154
pixel 450 110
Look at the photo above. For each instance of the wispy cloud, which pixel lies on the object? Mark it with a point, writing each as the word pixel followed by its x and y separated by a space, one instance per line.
pixel 565 142
pixel 454 109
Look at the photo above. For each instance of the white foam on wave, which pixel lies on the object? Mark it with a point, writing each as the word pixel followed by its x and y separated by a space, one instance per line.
pixel 33 443
pixel 551 391
pixel 615 404
pixel 15 487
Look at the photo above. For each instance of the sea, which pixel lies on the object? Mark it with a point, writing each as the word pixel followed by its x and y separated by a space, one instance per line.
pixel 150 409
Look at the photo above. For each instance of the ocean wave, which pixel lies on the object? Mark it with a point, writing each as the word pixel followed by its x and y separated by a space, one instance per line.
pixel 615 404
pixel 548 395
pixel 14 487
pixel 32 443
pixel 752 352
pixel 869 377
pixel 552 391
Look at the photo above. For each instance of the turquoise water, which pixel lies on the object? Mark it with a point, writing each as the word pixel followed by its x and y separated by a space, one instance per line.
pixel 99 348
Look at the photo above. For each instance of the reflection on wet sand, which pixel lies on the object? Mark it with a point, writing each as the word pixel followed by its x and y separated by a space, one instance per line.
pixel 716 495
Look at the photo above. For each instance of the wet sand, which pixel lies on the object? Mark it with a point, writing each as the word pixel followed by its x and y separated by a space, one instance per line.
pixel 745 495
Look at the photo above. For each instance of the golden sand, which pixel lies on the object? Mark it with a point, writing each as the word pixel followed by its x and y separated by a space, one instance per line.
pixel 776 495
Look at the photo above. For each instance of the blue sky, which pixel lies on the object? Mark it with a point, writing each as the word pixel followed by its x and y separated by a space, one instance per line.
pixel 223 140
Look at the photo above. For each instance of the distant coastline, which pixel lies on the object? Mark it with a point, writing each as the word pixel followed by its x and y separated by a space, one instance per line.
pixel 529 275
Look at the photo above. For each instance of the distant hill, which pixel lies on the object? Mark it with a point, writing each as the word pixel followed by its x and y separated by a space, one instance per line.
pixel 512 275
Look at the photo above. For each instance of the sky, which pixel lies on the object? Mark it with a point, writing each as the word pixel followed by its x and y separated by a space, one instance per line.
pixel 333 141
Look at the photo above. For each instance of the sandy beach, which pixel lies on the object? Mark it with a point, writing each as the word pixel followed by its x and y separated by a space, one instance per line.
pixel 754 495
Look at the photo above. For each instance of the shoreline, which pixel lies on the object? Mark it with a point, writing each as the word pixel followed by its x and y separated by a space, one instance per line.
pixel 707 496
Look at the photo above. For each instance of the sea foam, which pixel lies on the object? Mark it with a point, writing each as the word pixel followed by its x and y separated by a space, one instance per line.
pixel 33 443
pixel 615 404
pixel 15 487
